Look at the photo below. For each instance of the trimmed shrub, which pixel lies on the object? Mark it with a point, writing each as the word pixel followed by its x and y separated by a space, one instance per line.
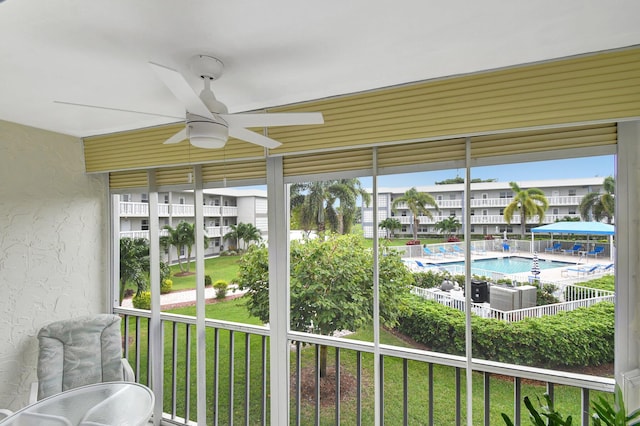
pixel 142 300
pixel 221 288
pixel 207 280
pixel 165 286
pixel 583 337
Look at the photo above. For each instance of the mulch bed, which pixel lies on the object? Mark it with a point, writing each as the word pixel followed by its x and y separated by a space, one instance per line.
pixel 327 386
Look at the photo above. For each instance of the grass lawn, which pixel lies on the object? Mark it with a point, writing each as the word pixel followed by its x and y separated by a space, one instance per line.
pixel 218 268
pixel 567 400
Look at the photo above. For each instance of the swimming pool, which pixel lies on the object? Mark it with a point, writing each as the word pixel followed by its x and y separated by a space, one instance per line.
pixel 505 265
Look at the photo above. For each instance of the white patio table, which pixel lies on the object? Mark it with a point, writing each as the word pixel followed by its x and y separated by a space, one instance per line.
pixel 102 404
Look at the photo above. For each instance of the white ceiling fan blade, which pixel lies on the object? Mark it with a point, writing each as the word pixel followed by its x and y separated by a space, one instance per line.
pixel 253 137
pixel 178 137
pixel 181 90
pixel 116 109
pixel 273 119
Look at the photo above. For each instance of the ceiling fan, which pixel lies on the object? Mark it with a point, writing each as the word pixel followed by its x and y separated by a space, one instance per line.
pixel 208 123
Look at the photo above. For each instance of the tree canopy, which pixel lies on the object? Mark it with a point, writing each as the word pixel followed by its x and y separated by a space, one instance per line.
pixel 417 203
pixel 531 202
pixel 599 206
pixel 327 204
pixel 390 224
pixel 331 284
pixel 183 236
pixel 134 263
pixel 245 232
pixel 448 226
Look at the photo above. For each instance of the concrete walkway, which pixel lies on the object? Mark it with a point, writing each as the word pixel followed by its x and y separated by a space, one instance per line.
pixel 184 296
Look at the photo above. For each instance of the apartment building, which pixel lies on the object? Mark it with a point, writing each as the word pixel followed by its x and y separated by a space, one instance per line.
pixel 222 208
pixel 488 201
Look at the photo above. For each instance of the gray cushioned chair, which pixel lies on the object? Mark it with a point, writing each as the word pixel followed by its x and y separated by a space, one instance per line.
pixel 80 351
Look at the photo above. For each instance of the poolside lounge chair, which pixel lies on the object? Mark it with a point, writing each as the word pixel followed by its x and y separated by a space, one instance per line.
pixel 421 265
pixel 596 251
pixel 575 249
pixel 458 250
pixel 554 248
pixel 445 252
pixel 427 251
pixel 607 268
pixel 582 270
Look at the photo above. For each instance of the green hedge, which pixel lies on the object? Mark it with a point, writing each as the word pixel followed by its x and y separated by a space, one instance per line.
pixel 583 337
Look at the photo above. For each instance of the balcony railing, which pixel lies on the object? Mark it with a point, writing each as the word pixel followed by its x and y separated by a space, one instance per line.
pixel 238 370
pixel 141 234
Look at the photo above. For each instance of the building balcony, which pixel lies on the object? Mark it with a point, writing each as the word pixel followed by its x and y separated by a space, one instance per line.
pixel 486 219
pixel 136 209
pixel 428 386
pixel 141 234
pixel 554 201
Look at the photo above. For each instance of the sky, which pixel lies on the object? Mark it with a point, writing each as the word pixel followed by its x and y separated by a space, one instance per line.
pixel 601 166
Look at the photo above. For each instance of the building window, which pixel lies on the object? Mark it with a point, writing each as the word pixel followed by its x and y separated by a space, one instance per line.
pixel 485 212
pixel 572 210
pixel 556 211
pixel 404 229
pixel 572 193
pixel 485 196
pixel 452 213
pixel 145 225
pixel 501 212
pixel 404 213
pixel 181 200
pixel 439 198
pixel 144 198
pixel 166 198
pixel 125 198
pixel 473 212
pixel 452 196
pixel 472 228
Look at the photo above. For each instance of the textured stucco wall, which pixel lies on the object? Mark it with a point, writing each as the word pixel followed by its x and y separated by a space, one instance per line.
pixel 53 255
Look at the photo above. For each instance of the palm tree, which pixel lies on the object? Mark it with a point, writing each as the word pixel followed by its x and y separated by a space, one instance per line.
pixel 246 232
pixel 530 202
pixel 597 205
pixel 182 237
pixel 417 203
pixel 315 204
pixel 250 234
pixel 390 224
pixel 347 191
pixel 448 225
pixel 311 200
pixel 134 263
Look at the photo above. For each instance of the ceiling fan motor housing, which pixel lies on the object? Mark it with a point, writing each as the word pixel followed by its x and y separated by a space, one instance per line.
pixel 205 133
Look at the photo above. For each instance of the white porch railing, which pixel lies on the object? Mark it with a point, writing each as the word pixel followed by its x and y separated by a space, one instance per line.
pixel 238 390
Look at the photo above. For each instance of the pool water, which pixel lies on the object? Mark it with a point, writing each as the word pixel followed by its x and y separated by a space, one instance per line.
pixel 508 265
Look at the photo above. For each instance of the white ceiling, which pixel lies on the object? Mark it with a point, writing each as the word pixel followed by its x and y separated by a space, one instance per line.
pixel 275 52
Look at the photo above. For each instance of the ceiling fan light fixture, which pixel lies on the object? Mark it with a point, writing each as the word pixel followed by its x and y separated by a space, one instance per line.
pixel 207 134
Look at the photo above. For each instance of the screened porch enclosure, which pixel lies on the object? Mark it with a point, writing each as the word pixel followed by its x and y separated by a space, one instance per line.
pixel 563 109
